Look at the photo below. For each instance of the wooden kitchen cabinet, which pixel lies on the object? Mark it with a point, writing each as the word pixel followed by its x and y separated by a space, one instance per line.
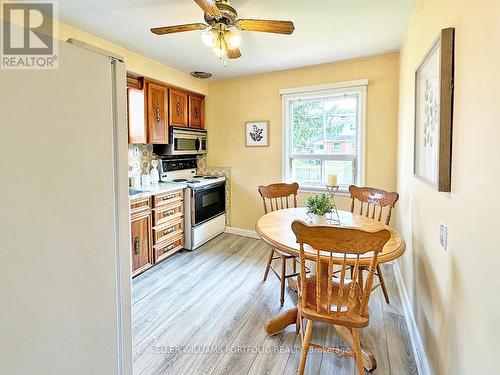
pixel 153 106
pixel 196 111
pixel 157 113
pixel 178 107
pixel 166 249
pixel 141 236
pixel 136 110
pixel 157 229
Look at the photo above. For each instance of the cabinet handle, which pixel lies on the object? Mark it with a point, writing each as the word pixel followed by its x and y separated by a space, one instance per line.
pixel 169 247
pixel 137 245
pixel 167 197
pixel 178 109
pixel 169 212
pixel 169 230
pixel 158 114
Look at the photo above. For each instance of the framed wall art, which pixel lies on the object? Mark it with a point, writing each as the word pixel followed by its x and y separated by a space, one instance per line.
pixel 434 113
pixel 257 133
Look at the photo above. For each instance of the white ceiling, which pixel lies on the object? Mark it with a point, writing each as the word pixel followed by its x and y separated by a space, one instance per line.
pixel 325 31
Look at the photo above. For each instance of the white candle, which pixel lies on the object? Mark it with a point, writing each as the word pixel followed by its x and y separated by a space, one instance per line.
pixel 332 180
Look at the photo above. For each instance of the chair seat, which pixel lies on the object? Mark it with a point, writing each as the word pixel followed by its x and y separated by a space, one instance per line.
pixel 283 254
pixel 338 312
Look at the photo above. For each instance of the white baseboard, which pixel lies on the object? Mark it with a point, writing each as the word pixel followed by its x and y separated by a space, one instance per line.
pixel 416 340
pixel 242 232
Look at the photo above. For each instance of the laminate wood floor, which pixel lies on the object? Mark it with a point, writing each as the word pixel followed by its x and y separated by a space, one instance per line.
pixel 203 312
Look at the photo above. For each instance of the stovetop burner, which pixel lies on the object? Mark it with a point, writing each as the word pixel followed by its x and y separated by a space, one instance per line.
pixel 210 177
pixel 198 176
pixel 194 182
pixel 180 180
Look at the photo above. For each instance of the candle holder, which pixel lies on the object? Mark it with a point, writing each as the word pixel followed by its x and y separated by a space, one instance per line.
pixel 334 215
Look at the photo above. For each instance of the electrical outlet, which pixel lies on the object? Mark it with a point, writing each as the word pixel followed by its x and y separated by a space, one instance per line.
pixel 443 235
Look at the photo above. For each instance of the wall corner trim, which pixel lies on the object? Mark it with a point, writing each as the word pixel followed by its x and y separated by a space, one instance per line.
pixel 242 232
pixel 416 340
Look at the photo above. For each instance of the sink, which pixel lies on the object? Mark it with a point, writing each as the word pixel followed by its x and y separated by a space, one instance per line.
pixel 132 191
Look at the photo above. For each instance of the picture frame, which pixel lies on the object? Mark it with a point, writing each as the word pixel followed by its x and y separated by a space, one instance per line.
pixel 434 79
pixel 257 133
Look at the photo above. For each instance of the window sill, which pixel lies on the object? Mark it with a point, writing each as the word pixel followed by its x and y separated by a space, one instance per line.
pixel 317 189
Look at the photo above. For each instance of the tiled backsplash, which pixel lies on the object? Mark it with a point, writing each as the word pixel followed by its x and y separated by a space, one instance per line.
pixel 139 162
pixel 139 159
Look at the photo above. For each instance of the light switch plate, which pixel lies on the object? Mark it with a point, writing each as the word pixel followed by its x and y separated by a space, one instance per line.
pixel 443 235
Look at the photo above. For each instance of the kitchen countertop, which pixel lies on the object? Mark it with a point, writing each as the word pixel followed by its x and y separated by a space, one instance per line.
pixel 162 187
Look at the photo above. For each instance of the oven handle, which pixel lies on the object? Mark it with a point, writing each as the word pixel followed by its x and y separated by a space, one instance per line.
pixel 203 188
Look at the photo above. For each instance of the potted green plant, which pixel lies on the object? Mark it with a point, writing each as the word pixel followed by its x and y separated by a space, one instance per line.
pixel 318 206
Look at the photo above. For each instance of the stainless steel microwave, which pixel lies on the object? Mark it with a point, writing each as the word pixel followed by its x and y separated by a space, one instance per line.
pixel 184 142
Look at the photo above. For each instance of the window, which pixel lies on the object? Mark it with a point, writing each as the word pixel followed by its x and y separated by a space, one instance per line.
pixel 324 134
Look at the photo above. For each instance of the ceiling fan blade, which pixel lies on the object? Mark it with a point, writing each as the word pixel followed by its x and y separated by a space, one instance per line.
pixel 210 7
pixel 178 28
pixel 233 53
pixel 266 26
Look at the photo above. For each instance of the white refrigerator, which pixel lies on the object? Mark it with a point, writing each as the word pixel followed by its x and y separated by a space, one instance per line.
pixel 64 226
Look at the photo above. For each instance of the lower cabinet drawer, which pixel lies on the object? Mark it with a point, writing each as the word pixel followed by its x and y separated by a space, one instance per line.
pixel 167 198
pixel 167 213
pixel 165 249
pixel 139 205
pixel 167 231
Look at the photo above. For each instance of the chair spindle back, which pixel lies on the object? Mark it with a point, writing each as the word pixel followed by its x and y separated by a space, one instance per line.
pixel 327 240
pixel 372 200
pixel 279 196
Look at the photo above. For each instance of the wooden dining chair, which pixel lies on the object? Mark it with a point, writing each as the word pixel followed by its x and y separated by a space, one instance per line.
pixel 326 298
pixel 373 203
pixel 277 197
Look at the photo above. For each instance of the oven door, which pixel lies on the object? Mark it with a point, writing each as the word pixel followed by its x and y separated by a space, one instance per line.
pixel 209 202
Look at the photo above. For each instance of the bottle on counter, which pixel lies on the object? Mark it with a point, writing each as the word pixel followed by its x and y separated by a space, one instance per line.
pixel 154 174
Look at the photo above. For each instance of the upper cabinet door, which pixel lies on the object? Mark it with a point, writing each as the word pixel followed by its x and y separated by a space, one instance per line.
pixel 136 110
pixel 157 113
pixel 196 112
pixel 178 108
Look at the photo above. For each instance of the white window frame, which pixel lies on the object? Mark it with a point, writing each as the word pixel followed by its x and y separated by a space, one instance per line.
pixel 350 87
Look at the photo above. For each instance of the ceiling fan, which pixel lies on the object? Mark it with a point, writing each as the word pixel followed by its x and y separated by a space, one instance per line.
pixel 220 17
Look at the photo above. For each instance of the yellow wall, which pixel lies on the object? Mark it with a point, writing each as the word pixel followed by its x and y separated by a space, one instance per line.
pixel 455 293
pixel 134 62
pixel 137 63
pixel 231 103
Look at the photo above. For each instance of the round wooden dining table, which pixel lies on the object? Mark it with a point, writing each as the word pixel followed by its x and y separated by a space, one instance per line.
pixel 275 228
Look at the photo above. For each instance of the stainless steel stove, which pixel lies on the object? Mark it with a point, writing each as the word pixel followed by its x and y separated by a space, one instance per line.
pixel 204 200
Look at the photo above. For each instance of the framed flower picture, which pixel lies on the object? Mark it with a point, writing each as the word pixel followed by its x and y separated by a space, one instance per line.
pixel 434 113
pixel 257 133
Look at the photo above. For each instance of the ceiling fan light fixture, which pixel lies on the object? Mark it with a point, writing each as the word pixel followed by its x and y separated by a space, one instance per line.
pixel 209 37
pixel 219 50
pixel 233 40
pixel 220 47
